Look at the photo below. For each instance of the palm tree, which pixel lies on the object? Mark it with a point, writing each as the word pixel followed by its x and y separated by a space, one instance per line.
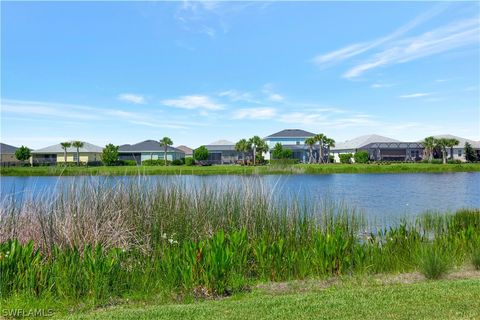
pixel 258 145
pixel 310 142
pixel 165 143
pixel 242 146
pixel 78 145
pixel 321 140
pixel 429 144
pixel 65 145
pixel 330 143
pixel 443 143
pixel 452 143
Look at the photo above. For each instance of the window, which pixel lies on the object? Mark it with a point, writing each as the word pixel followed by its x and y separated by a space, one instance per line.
pixel 298 143
pixel 459 152
pixel 75 157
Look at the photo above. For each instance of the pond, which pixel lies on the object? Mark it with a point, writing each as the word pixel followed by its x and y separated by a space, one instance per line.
pixel 386 197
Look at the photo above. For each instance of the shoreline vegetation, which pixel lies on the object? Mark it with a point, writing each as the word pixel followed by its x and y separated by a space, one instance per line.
pixel 240 170
pixel 95 245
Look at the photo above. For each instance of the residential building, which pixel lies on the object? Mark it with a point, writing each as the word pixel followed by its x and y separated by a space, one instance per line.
pixel 293 139
pixel 188 151
pixel 458 150
pixel 380 148
pixel 7 154
pixel 223 152
pixel 148 150
pixel 54 154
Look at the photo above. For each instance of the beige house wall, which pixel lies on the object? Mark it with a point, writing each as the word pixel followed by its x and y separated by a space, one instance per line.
pixel 84 157
pixel 8 157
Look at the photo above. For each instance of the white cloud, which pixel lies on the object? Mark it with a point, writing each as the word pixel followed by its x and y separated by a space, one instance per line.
pixel 193 102
pixel 381 85
pixel 271 95
pixel 454 35
pixel 415 95
pixel 255 113
pixel 235 95
pixel 359 48
pixel 131 98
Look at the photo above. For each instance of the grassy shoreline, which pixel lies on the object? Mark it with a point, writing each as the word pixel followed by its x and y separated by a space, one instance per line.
pixel 242 170
pixel 446 299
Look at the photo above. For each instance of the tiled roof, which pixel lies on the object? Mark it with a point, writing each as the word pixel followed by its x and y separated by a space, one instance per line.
pixel 291 133
pixel 57 148
pixel 475 144
pixel 362 141
pixel 146 146
pixel 221 143
pixel 185 149
pixel 7 149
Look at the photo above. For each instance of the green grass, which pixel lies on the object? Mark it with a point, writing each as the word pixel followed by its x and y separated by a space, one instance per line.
pixel 237 169
pixel 458 299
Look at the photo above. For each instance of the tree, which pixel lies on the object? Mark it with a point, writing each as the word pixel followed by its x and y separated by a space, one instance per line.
pixel 310 142
pixel 243 147
pixel 78 145
pixel 165 143
pixel 23 153
pixel 345 157
pixel 361 156
pixel 470 155
pixel 110 155
pixel 452 143
pixel 279 152
pixel 258 145
pixel 201 153
pixel 65 146
pixel 429 144
pixel 443 144
pixel 321 140
pixel 329 143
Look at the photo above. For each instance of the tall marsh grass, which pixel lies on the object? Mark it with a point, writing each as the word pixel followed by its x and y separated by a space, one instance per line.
pixel 98 241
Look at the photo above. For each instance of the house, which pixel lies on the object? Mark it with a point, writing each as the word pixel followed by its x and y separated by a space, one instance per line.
pixel 380 148
pixel 148 150
pixel 7 154
pixel 88 154
pixel 188 151
pixel 223 152
pixel 459 150
pixel 293 139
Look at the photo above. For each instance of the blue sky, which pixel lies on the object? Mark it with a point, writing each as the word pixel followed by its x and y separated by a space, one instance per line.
pixel 123 72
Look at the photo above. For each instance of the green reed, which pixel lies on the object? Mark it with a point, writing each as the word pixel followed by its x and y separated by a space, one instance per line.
pixel 95 243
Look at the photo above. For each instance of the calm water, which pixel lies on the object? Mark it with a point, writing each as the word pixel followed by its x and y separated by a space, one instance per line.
pixel 382 196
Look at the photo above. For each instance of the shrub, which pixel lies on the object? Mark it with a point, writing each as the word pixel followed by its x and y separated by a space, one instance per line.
pixel 22 153
pixel 110 155
pixel 155 162
pixel 126 163
pixel 361 157
pixel 345 158
pixel 189 161
pixel 454 161
pixel 433 263
pixel 201 153
pixel 279 152
pixel 178 162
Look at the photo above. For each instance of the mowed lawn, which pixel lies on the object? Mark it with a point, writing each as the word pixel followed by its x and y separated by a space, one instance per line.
pixel 444 299
pixel 241 170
